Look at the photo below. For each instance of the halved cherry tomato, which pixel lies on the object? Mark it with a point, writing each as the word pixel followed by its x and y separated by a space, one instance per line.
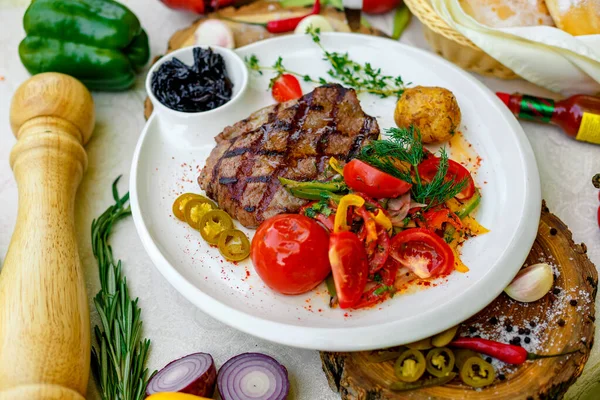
pixel 456 172
pixel 435 218
pixel 423 252
pixel 349 266
pixel 290 253
pixel 361 177
pixel 285 88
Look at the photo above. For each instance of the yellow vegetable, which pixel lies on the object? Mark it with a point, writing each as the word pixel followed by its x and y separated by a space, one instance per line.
pixel 442 339
pixel 423 344
pixel 472 225
pixel 454 205
pixel 174 396
pixel 335 165
pixel 341 223
pixel 383 220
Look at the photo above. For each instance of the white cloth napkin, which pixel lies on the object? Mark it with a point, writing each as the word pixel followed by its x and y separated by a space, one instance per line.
pixel 544 55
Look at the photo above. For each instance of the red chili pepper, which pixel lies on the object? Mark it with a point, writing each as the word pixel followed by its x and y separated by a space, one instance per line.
pixel 282 25
pixel 435 218
pixel 507 353
pixel 382 251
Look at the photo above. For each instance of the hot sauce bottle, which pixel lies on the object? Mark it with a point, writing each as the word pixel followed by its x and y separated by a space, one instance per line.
pixel 578 116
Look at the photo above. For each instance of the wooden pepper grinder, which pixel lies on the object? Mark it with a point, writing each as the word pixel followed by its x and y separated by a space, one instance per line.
pixel 44 317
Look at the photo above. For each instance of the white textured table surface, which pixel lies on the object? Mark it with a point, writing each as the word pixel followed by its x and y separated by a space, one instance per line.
pixel 174 325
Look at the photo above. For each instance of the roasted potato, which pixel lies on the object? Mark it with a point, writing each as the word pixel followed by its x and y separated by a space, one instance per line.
pixel 433 110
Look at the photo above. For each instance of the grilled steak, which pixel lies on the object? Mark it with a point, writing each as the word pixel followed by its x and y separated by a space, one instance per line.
pixel 294 140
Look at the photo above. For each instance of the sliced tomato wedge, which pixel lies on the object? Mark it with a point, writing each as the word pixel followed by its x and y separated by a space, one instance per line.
pixel 285 88
pixel 349 267
pixel 435 218
pixel 423 252
pixel 361 177
pixel 456 172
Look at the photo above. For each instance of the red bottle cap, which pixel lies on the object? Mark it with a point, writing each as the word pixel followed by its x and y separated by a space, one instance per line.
pixel 505 97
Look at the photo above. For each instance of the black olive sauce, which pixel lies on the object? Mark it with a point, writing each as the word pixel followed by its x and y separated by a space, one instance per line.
pixel 203 86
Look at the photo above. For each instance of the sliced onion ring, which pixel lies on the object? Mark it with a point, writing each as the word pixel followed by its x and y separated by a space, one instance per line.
pixel 194 374
pixel 253 376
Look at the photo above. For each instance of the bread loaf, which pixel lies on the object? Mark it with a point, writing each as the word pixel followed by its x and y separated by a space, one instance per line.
pixel 509 13
pixel 577 17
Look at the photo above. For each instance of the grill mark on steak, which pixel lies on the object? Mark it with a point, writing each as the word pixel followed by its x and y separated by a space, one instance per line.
pixel 358 141
pixel 246 165
pixel 273 181
pixel 295 140
pixel 332 125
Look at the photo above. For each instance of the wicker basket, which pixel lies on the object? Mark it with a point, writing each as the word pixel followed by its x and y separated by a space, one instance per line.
pixel 453 46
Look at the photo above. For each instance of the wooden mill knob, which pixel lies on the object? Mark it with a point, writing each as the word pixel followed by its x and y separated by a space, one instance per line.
pixel 44 317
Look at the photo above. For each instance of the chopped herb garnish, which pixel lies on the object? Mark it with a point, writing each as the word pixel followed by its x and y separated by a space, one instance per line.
pixel 384 289
pixel 377 278
pixel 364 78
pixel 400 154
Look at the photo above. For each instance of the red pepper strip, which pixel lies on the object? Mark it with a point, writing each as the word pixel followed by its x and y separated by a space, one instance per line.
pixel 388 277
pixel 370 228
pixel 281 25
pixel 389 272
pixel 507 353
pixel 382 251
pixel 434 219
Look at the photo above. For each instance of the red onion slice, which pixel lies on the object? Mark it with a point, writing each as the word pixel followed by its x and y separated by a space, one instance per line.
pixel 194 374
pixel 253 376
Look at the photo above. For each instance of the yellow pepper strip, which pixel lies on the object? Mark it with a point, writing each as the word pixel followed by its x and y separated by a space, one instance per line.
pixel 383 220
pixel 454 205
pixel 458 264
pixel 473 226
pixel 335 165
pixel 341 223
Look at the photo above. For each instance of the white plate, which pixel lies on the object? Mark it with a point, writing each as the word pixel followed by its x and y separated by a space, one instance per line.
pixel 167 162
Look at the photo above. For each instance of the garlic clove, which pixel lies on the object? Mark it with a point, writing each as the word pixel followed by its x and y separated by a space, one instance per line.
pixel 314 21
pixel 214 32
pixel 531 283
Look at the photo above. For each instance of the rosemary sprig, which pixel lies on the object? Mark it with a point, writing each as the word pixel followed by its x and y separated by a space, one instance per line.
pixel 363 78
pixel 118 363
pixel 404 145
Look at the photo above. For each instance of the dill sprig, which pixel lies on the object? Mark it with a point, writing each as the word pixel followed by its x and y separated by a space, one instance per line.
pixel 363 78
pixel 404 145
pixel 119 360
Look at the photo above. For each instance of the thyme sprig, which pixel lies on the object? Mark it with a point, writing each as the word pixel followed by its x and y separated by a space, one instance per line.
pixel 119 360
pixel 363 78
pixel 400 154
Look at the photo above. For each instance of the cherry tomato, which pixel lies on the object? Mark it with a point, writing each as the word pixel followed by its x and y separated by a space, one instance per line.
pixel 361 177
pixel 456 172
pixel 289 253
pixel 423 252
pixel 379 6
pixel 349 267
pixel 285 88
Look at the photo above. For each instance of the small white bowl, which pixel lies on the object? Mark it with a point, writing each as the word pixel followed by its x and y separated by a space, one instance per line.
pixel 236 71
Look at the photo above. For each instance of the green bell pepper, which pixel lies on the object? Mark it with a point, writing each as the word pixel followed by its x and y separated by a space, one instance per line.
pixel 100 42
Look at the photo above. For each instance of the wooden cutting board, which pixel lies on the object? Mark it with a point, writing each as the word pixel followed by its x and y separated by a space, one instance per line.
pixel 244 34
pixel 562 320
